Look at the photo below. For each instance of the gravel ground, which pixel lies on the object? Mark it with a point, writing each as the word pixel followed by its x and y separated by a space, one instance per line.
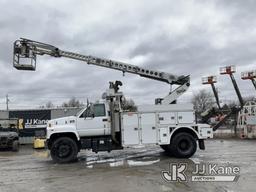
pixel 132 169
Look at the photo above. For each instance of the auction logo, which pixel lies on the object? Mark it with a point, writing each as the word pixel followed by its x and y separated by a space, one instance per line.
pixel 201 173
pixel 176 172
pixel 36 123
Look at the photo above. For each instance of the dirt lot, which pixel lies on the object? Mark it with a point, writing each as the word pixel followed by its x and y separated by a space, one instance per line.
pixel 136 169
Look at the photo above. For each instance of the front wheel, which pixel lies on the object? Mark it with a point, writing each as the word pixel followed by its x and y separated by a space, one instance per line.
pixel 183 145
pixel 164 147
pixel 64 150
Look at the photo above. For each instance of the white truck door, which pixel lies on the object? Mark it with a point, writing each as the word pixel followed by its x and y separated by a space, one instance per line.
pixel 93 123
pixel 130 129
pixel 148 128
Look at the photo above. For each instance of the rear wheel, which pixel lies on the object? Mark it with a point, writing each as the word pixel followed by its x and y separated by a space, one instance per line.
pixel 183 145
pixel 167 149
pixel 64 150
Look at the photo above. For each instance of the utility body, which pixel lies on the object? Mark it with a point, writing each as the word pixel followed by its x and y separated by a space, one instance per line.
pixel 106 125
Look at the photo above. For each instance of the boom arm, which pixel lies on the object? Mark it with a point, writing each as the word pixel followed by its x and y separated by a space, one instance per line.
pixel 28 49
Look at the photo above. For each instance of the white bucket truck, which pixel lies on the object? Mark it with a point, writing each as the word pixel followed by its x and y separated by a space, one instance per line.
pixel 106 126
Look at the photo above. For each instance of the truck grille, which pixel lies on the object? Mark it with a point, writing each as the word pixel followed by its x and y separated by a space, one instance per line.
pixel 3 140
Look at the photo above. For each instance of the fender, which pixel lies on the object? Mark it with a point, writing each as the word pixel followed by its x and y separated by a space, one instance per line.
pixel 62 129
pixel 182 127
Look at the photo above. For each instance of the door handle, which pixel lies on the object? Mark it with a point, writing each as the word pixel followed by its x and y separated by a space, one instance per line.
pixel 105 119
pixel 153 128
pixel 135 129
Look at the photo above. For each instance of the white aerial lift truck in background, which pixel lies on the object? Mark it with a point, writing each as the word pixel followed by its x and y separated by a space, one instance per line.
pixel 106 126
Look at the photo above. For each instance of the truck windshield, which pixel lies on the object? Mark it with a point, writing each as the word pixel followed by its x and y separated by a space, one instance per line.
pixel 80 112
pixel 96 110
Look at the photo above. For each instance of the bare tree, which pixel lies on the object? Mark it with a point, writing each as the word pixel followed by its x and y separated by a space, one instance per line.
pixel 250 98
pixel 129 105
pixel 235 103
pixel 202 101
pixel 49 104
pixel 73 102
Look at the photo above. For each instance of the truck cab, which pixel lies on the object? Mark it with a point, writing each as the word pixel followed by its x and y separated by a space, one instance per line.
pixel 93 120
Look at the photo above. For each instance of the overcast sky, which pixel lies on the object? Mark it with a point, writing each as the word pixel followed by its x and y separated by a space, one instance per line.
pixel 180 37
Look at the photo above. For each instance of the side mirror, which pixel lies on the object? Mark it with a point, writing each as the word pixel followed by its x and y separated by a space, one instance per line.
pixel 89 115
pixel 89 112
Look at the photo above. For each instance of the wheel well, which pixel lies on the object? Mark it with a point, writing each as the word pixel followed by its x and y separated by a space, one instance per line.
pixel 58 135
pixel 184 130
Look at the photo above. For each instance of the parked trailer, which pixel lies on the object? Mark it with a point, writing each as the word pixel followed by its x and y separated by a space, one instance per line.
pixel 246 122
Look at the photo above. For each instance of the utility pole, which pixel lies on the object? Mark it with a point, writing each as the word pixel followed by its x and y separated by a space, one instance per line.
pixel 7 102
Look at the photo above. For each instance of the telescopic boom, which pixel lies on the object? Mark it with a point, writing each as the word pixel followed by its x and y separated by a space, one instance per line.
pixel 27 50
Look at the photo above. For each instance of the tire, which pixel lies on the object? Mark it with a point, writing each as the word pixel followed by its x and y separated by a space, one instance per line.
pixel 15 145
pixel 167 150
pixel 64 150
pixel 183 145
pixel 164 147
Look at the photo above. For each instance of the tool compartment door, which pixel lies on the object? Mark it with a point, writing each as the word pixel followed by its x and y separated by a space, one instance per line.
pixel 166 118
pixel 186 117
pixel 148 128
pixel 130 129
pixel 163 135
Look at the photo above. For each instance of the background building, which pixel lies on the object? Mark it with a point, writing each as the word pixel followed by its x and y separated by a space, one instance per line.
pixel 33 121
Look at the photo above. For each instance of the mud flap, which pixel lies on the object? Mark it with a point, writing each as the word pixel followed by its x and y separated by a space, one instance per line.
pixel 201 144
